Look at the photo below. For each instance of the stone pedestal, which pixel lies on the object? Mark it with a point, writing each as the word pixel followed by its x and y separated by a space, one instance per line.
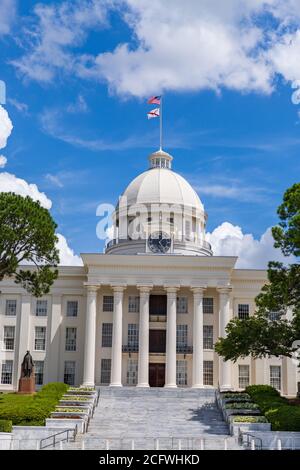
pixel 27 384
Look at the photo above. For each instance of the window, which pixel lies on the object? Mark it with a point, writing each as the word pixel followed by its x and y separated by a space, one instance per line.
pixel 108 303
pixel 244 376
pixel 208 305
pixel 208 337
pixel 275 377
pixel 105 371
pixel 132 371
pixel 187 227
pixel 133 336
pixel 181 338
pixel 41 308
pixel 181 372
pixel 6 372
pixel 39 372
pixel 243 311
pixel 40 338
pixel 273 316
pixel 72 308
pixel 208 373
pixel 182 305
pixel 107 335
pixel 69 373
pixel 11 308
pixel 133 304
pixel 71 334
pixel 9 338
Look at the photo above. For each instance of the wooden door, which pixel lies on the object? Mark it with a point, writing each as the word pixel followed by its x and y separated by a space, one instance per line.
pixel 158 305
pixel 157 341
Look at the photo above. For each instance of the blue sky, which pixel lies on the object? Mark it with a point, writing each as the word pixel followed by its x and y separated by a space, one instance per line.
pixel 81 133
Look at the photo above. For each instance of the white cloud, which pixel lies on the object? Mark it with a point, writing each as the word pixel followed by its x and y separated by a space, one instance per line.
pixel 194 45
pixel 66 254
pixel 10 183
pixel 5 127
pixel 58 28
pixel 3 161
pixel 229 240
pixel 21 107
pixel 8 12
pixel 80 106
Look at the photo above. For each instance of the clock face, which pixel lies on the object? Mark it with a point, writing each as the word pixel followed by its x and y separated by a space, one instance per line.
pixel 159 242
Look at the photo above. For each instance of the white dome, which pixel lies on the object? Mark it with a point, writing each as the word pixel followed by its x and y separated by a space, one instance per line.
pixel 164 186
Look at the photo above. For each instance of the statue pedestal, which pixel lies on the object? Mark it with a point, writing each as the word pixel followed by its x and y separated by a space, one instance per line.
pixel 27 384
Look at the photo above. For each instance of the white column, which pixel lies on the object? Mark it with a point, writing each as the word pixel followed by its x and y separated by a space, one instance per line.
pixel 116 355
pixel 171 338
pixel 143 364
pixel 224 318
pixel 23 335
pixel 52 367
pixel 197 381
pixel 90 337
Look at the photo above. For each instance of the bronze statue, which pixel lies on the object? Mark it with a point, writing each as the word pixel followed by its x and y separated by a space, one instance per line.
pixel 27 365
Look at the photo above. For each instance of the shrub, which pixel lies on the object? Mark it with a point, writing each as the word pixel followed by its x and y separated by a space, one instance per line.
pixel 284 418
pixel 242 406
pixel 31 410
pixel 250 419
pixel 5 425
pixel 237 395
pixel 281 415
pixel 253 390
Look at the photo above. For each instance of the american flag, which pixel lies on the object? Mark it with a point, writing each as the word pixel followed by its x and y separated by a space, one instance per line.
pixel 154 100
pixel 153 113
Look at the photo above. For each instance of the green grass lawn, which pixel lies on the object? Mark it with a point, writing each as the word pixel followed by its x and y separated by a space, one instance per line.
pixel 31 410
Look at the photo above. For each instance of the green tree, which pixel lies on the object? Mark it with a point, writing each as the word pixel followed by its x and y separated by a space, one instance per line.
pixel 27 236
pixel 270 332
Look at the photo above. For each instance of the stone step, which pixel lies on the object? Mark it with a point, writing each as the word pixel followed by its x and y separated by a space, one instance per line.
pixel 157 391
pixel 144 415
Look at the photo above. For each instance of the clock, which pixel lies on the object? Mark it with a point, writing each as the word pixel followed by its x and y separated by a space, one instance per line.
pixel 159 242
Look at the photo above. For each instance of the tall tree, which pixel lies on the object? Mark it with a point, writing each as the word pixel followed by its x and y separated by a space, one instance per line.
pixel 275 325
pixel 27 236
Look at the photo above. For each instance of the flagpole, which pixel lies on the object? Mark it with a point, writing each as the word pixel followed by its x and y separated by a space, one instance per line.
pixel 160 122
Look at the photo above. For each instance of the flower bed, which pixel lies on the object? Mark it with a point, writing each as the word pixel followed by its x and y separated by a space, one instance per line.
pixel 249 419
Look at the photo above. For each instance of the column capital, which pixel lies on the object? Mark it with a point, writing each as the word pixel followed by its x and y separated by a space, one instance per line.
pixel 198 290
pixel 92 287
pixel 224 289
pixel 145 288
pixel 118 288
pixel 171 289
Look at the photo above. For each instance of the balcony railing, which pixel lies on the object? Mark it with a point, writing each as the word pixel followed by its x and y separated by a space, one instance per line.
pixel 129 348
pixel 158 318
pixel 184 349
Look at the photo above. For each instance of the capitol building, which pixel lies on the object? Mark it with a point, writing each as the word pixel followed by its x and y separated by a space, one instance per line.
pixel 148 310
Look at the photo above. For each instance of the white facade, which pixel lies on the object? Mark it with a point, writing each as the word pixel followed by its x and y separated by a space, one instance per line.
pixel 132 317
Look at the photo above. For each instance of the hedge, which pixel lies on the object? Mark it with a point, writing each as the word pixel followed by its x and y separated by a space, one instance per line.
pixel 250 419
pixel 281 415
pixel 31 410
pixel 5 425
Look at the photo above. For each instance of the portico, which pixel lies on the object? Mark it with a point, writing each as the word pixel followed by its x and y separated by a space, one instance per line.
pixel 190 353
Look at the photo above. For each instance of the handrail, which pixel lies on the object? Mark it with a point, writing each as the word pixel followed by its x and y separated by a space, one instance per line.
pixel 250 437
pixel 54 438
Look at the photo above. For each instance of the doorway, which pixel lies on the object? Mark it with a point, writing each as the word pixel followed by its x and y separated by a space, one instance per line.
pixel 158 305
pixel 157 341
pixel 156 374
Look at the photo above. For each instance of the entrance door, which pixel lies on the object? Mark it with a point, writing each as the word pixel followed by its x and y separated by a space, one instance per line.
pixel 157 341
pixel 156 375
pixel 158 305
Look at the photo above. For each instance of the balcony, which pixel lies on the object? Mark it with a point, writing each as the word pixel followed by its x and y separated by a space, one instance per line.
pixel 130 348
pixel 184 349
pixel 158 318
